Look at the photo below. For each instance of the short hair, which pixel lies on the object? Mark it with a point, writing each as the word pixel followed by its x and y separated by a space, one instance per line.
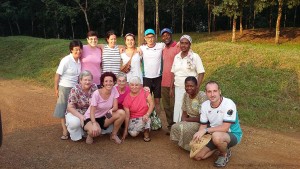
pixel 106 74
pixel 191 78
pixel 135 80
pixel 212 82
pixel 75 43
pixel 91 33
pixel 121 74
pixel 84 74
pixel 129 34
pixel 108 34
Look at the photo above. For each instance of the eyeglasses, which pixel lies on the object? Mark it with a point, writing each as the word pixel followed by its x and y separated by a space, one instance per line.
pixel 149 37
pixel 93 39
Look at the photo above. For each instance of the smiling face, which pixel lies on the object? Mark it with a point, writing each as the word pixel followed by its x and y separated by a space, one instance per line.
pixel 190 88
pixel 150 40
pixel 86 82
pixel 129 42
pixel 112 41
pixel 121 81
pixel 134 87
pixel 213 93
pixel 108 82
pixel 76 52
pixel 92 41
pixel 185 45
pixel 166 38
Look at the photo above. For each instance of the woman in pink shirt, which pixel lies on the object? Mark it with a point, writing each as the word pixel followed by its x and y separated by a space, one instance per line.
pixel 103 110
pixel 92 56
pixel 138 105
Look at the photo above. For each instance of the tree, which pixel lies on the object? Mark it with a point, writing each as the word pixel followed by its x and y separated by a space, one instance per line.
pixel 84 7
pixel 141 26
pixel 156 17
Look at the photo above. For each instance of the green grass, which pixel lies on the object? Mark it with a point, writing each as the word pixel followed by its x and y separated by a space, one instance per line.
pixel 261 78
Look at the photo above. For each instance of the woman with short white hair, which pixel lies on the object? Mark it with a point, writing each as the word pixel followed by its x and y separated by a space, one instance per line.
pixel 78 103
pixel 138 105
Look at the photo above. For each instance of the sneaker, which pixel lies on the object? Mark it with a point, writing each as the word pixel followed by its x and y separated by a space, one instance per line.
pixel 223 160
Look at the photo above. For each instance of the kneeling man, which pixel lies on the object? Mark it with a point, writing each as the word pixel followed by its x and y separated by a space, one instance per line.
pixel 219 118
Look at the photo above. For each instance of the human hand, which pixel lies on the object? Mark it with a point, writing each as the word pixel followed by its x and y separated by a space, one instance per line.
pixel 145 118
pixel 139 51
pixel 147 89
pixel 95 129
pixel 56 93
pixel 199 134
pixel 82 118
pixel 171 93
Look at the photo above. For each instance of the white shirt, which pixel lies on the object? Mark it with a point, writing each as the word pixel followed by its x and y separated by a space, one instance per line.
pixel 69 71
pixel 191 65
pixel 135 69
pixel 152 60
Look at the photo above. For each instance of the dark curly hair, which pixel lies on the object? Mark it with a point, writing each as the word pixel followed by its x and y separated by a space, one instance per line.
pixel 111 74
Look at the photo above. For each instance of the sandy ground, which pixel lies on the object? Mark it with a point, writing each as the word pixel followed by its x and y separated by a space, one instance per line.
pixel 32 140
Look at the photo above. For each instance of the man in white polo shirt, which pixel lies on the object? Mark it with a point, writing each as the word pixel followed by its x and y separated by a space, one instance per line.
pixel 219 118
pixel 152 66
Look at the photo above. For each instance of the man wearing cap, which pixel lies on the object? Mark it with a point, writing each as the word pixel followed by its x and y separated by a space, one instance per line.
pixel 186 63
pixel 171 49
pixel 152 66
pixel 219 118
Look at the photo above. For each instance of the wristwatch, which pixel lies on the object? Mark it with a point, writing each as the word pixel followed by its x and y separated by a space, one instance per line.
pixel 206 131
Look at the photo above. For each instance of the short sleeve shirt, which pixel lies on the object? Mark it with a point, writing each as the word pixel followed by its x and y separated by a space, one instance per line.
pixel 122 96
pixel 190 65
pixel 137 105
pixel 152 60
pixel 80 99
pixel 192 106
pixel 102 106
pixel 69 71
pixel 226 112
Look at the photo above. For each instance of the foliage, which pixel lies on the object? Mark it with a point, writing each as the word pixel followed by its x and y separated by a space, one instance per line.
pixel 263 79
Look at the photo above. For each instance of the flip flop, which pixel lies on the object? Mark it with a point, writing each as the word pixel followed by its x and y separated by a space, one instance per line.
pixel 64 137
pixel 147 139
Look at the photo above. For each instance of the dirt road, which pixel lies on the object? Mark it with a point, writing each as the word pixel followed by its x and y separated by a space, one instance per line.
pixel 31 140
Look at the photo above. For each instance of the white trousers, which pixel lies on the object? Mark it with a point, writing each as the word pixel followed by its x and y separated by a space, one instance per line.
pixel 74 127
pixel 179 93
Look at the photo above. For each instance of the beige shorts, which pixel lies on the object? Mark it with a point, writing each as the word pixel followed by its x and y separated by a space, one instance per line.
pixel 138 125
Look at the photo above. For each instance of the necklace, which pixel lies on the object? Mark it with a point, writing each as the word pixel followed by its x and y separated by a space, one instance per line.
pixel 221 99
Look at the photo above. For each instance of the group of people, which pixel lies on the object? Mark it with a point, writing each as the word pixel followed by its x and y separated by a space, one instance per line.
pixel 100 87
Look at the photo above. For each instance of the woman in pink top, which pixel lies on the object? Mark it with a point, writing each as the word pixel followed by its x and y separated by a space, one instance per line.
pixel 123 88
pixel 138 105
pixel 92 56
pixel 103 110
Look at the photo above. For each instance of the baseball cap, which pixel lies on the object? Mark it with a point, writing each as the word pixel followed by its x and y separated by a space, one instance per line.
pixel 149 31
pixel 165 30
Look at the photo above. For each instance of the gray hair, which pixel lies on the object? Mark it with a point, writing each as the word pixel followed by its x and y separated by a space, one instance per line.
pixel 121 74
pixel 135 80
pixel 84 74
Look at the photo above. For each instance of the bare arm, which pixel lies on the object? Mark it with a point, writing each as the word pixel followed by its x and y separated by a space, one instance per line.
pixel 115 105
pixel 200 79
pixel 185 117
pixel 172 87
pixel 126 123
pixel 56 81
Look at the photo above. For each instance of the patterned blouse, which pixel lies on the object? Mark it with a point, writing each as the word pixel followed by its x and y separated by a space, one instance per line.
pixel 192 106
pixel 80 99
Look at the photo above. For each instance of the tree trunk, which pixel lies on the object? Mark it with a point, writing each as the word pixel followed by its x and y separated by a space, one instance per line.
pixel 84 10
pixel 271 18
pixel 182 16
pixel 284 18
pixel 280 3
pixel 72 28
pixel 173 17
pixel 230 22
pixel 208 16
pixel 214 18
pixel 233 29
pixel 295 16
pixel 124 18
pixel 156 17
pixel 141 26
pixel 18 27
pixel 32 23
pixel 241 24
pixel 10 27
pixel 253 21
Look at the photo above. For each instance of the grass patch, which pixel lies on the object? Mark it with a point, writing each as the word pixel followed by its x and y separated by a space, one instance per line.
pixel 261 78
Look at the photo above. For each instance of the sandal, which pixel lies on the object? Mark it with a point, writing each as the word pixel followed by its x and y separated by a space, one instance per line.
pixel 64 137
pixel 223 160
pixel 116 139
pixel 147 139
